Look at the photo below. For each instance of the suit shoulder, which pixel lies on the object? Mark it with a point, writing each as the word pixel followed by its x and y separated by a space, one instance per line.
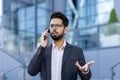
pixel 76 47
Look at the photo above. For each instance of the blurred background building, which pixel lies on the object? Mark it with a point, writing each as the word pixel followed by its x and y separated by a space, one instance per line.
pixel 93 26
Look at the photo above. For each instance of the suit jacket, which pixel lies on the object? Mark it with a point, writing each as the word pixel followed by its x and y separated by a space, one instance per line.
pixel 41 62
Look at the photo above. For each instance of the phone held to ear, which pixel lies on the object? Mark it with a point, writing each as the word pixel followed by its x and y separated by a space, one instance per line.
pixel 45 36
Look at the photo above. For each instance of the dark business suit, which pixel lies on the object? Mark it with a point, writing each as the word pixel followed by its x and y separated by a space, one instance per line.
pixel 41 62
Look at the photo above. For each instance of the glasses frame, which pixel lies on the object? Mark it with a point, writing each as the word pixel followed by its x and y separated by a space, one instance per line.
pixel 57 26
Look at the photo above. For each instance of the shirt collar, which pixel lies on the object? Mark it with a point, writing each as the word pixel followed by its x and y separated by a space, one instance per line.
pixel 62 47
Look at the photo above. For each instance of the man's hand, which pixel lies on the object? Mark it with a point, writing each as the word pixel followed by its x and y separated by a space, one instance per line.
pixel 43 41
pixel 84 68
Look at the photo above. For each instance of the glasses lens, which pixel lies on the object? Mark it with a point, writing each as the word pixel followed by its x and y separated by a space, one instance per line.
pixel 56 25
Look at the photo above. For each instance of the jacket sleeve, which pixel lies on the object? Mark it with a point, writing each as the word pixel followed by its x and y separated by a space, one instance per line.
pixel 83 62
pixel 34 66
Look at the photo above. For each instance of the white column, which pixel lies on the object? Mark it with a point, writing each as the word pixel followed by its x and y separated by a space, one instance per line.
pixel 59 5
pixel 117 8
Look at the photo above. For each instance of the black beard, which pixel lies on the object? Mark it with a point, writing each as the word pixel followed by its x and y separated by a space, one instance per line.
pixel 56 38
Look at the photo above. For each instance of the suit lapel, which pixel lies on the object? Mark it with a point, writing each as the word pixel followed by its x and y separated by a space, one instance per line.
pixel 66 53
pixel 48 62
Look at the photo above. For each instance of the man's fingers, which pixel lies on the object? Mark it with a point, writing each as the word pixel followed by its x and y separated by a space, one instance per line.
pixel 81 68
pixel 78 65
pixel 91 62
pixel 85 67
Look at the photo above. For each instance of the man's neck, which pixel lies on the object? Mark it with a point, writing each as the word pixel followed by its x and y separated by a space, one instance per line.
pixel 59 43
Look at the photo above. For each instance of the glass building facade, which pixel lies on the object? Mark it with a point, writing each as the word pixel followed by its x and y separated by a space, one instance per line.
pixel 91 25
pixel 28 19
pixel 23 18
pixel 23 23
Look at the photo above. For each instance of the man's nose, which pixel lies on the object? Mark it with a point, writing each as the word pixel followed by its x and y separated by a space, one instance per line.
pixel 54 27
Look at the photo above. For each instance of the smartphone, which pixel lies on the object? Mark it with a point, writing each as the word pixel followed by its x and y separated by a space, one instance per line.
pixel 45 37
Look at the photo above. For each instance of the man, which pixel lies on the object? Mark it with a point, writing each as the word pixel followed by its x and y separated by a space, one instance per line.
pixel 60 60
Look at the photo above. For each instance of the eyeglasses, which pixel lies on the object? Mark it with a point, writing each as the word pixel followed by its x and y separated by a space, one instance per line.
pixel 57 26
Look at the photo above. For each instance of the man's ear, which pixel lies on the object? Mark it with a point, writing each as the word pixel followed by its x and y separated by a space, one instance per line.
pixel 66 30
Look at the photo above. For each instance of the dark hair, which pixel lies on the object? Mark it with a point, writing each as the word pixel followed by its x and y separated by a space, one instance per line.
pixel 61 16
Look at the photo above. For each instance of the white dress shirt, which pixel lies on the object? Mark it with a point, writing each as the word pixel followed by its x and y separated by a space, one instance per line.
pixel 56 60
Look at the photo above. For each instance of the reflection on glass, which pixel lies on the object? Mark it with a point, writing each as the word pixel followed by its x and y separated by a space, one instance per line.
pixel 87 39
pixel 110 35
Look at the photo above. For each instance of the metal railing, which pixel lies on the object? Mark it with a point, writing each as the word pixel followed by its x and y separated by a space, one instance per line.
pixel 18 46
pixel 115 71
pixel 19 49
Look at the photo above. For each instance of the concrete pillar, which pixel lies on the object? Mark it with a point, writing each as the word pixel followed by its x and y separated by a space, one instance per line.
pixel 58 5
pixel 117 8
